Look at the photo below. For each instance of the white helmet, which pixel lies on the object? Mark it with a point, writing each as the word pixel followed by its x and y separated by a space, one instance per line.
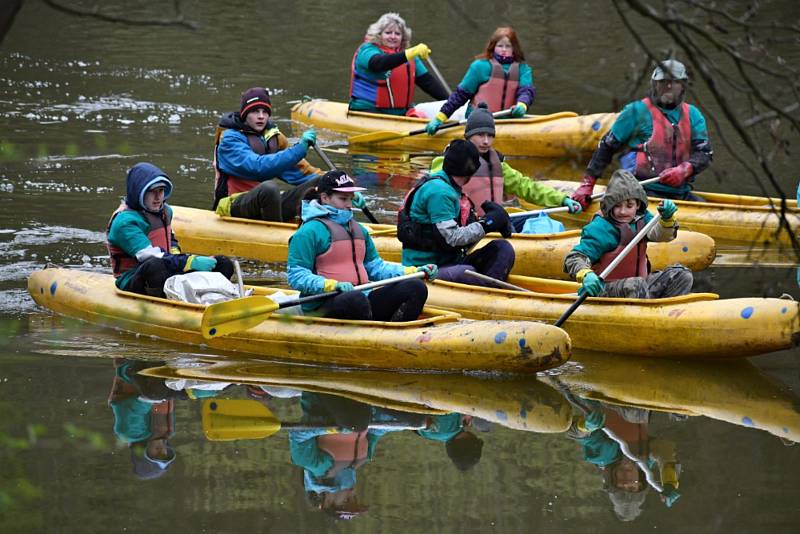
pixel 669 69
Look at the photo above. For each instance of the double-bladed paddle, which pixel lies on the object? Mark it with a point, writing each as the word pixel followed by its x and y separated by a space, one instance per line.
pixel 223 318
pixel 383 136
pixel 230 419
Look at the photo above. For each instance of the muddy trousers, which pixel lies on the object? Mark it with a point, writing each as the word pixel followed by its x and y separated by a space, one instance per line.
pixel 402 301
pixel 266 202
pixel 150 275
pixel 673 281
pixel 495 259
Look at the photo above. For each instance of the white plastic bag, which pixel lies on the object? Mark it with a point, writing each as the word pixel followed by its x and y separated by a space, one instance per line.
pixel 200 287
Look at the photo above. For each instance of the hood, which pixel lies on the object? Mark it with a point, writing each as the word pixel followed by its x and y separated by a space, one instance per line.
pixel 234 121
pixel 311 209
pixel 623 185
pixel 142 177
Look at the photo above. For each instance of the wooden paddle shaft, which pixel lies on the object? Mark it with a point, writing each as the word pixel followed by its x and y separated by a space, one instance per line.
pixel 324 157
pixel 438 74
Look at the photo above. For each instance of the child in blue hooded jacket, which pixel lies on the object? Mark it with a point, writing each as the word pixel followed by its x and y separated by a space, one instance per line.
pixel 140 241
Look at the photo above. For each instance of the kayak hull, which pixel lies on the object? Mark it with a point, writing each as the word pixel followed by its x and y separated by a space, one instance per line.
pixel 559 134
pixel 204 232
pixel 439 341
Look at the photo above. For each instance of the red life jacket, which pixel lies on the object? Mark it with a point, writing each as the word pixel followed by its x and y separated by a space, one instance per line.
pixel 634 264
pixel 668 146
pixel 394 92
pixel 226 184
pixel 160 235
pixel 634 434
pixel 347 450
pixel 486 183
pixel 500 90
pixel 344 260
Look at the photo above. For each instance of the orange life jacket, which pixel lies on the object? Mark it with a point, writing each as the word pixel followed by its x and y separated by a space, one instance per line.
pixel 668 146
pixel 500 90
pixel 160 235
pixel 344 260
pixel 634 264
pixel 347 450
pixel 486 183
pixel 396 91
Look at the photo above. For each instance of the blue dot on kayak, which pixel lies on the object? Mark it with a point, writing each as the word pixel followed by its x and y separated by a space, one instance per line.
pixel 522 343
pixel 747 421
pixel 53 288
pixel 213 406
pixel 213 331
pixel 500 337
pixel 784 309
pixel 785 430
pixel 501 415
pixel 596 125
pixel 747 312
pixel 685 249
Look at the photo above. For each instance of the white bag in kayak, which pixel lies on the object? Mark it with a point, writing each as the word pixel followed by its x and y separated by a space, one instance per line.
pixel 200 287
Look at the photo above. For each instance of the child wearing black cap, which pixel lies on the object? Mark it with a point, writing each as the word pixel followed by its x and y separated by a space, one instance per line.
pixel 331 251
pixel 249 152
pixel 438 224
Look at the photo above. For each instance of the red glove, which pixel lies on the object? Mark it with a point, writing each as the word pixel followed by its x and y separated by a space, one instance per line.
pixel 583 195
pixel 676 176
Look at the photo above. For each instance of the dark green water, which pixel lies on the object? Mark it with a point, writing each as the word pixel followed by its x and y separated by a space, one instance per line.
pixel 83 100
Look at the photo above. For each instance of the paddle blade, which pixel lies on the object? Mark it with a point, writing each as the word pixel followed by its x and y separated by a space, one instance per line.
pixel 227 420
pixel 376 137
pixel 231 316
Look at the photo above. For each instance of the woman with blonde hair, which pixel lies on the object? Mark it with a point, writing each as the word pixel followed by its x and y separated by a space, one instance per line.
pixel 499 76
pixel 385 69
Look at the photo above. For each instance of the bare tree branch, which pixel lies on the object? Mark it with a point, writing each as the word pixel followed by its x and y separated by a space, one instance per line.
pixel 96 14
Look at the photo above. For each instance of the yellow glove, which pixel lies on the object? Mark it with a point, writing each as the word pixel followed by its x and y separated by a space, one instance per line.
pixel 582 274
pixel 409 270
pixel 330 285
pixel 421 50
pixel 669 474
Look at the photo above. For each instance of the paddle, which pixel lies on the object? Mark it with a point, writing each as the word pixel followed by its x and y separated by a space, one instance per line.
pixel 230 419
pixel 565 208
pixel 439 75
pixel 332 167
pixel 382 136
pixel 623 445
pixel 223 318
pixel 630 246
pixel 495 281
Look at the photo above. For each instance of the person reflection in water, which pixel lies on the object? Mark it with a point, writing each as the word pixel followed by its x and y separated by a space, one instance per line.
pixel 330 458
pixel 463 447
pixel 625 483
pixel 144 417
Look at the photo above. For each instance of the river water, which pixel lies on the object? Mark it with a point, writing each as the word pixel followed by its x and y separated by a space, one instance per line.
pixel 82 100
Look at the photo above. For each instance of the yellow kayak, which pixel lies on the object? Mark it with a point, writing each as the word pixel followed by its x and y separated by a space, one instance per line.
pixel 204 232
pixel 698 325
pixel 736 392
pixel 727 217
pixel 522 403
pixel 438 341
pixel 559 134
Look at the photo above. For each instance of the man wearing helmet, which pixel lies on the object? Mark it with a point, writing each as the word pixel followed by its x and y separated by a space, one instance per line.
pixel 659 135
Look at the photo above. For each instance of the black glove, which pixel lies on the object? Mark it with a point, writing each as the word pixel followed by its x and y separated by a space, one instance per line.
pixel 495 219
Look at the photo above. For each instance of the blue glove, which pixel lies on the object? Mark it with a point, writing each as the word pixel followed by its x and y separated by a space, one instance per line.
pixel 670 495
pixel 344 287
pixel 200 263
pixel 359 202
pixel 592 285
pixel 572 205
pixel 518 111
pixel 309 137
pixel 431 271
pixel 667 209
pixel 594 421
pixel 433 126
